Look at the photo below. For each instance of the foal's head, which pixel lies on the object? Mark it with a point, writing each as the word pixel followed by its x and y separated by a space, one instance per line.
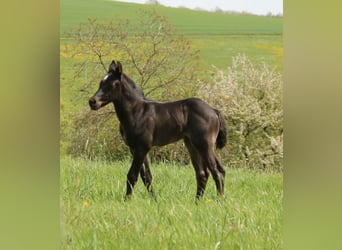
pixel 109 87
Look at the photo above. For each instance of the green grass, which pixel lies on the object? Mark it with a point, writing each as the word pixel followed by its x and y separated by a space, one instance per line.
pixel 94 215
pixel 219 50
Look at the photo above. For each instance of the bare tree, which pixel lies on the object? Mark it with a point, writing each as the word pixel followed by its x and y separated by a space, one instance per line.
pixel 162 62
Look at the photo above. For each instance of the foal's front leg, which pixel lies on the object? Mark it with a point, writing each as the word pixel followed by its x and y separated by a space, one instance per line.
pixel 132 176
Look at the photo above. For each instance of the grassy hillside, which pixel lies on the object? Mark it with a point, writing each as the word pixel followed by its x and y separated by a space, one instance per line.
pixel 94 215
pixel 218 36
pixel 187 21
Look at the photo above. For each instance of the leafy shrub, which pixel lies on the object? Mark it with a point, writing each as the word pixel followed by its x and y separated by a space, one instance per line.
pixel 96 135
pixel 250 98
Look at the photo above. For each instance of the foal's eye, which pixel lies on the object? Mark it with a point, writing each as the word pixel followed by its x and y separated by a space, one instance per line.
pixel 115 84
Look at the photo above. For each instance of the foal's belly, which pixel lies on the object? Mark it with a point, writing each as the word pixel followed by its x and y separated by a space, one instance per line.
pixel 164 137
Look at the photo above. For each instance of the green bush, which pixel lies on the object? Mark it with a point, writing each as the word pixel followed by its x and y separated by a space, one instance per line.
pixel 95 135
pixel 250 98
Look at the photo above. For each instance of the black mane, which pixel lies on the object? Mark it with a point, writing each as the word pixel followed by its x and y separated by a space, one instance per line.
pixel 134 86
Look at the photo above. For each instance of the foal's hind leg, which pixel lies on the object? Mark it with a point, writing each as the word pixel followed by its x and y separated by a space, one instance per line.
pixel 217 171
pixel 202 172
pixel 146 176
pixel 219 167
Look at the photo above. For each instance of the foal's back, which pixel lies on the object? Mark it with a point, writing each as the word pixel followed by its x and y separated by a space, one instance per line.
pixel 175 120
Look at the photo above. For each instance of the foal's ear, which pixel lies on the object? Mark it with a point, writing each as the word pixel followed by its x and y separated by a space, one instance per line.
pixel 112 67
pixel 118 68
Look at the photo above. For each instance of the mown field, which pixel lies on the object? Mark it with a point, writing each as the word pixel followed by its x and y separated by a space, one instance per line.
pixel 95 216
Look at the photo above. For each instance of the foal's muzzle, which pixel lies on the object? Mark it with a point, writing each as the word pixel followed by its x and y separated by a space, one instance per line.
pixel 92 104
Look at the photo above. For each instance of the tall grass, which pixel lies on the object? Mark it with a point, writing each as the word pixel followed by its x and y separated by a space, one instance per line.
pixel 94 215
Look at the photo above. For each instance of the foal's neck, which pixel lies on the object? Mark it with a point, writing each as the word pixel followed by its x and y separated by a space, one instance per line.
pixel 127 104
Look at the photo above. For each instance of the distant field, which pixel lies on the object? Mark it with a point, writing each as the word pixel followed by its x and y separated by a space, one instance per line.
pixel 218 36
pixel 187 21
pixel 218 50
pixel 94 215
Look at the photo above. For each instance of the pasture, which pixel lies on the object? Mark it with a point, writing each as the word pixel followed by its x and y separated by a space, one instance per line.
pixel 94 215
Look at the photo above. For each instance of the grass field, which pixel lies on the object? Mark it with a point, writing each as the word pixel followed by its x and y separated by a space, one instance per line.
pixel 94 215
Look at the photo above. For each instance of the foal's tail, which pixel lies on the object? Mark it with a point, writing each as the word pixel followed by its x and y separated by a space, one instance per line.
pixel 221 139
